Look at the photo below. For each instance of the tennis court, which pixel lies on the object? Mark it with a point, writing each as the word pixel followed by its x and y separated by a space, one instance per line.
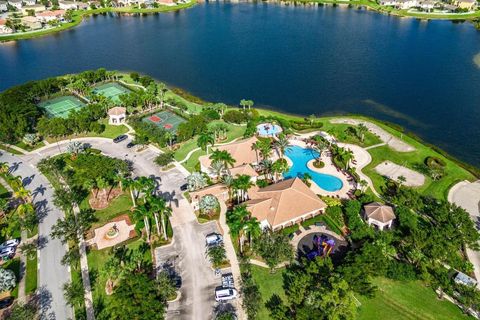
pixel 62 106
pixel 111 90
pixel 165 119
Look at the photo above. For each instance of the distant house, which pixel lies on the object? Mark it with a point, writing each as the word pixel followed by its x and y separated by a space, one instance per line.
pixel 117 115
pixel 68 5
pixel 3 27
pixel 220 191
pixel 283 204
pixel 47 16
pixel 18 4
pixel 166 2
pixel 466 4
pixel 3 6
pixel 427 4
pixel 82 6
pixel 379 215
pixel 462 278
pixel 32 22
pixel 391 3
pixel 36 8
pixel 29 2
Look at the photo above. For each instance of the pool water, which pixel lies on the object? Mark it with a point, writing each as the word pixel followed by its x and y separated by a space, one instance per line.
pixel 268 129
pixel 300 157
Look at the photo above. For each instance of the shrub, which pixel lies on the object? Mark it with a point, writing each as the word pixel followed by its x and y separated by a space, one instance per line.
pixel 235 116
pixel 400 271
pixel 210 114
pixel 164 159
pixel 262 183
pixel 7 279
pixel 318 164
pixel 434 162
pixel 335 213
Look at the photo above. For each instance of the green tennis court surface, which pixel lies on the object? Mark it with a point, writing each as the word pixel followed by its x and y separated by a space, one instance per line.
pixel 165 119
pixel 111 90
pixel 62 106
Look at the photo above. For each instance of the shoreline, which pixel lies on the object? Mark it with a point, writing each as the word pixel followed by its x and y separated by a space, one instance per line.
pixel 79 16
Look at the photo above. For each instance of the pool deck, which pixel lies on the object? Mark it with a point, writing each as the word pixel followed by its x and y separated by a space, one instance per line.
pixel 330 169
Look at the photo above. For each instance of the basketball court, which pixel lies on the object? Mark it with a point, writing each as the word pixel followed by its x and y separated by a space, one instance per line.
pixel 111 90
pixel 165 119
pixel 62 106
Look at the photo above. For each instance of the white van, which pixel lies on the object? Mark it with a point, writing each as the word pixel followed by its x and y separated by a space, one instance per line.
pixel 213 239
pixel 223 294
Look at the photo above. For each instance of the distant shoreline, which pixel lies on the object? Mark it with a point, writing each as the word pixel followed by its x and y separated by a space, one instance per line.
pixel 79 16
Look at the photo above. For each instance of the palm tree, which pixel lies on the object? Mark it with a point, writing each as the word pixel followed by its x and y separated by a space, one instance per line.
pixel 363 185
pixel 159 206
pixel 146 185
pixel 282 145
pixel 228 180
pixel 307 178
pixel 362 129
pixel 311 118
pixel 102 184
pixel 217 168
pixel 256 148
pixel 205 139
pixel 265 148
pixel 253 229
pixel 169 137
pixel 4 167
pixel 243 103
pixel 243 183
pixel 222 156
pixel 319 146
pixel 142 212
pixel 236 221
pixel 279 167
pixel 130 184
pixel 22 193
pixel 347 157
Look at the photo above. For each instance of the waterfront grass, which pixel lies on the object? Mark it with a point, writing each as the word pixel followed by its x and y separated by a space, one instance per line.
pixel 192 107
pixel 339 132
pixel 110 132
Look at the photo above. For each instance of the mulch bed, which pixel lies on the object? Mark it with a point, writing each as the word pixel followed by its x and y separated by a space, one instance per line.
pixel 101 202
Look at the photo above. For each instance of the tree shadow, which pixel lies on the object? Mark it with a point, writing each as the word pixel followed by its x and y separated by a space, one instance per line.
pixel 42 242
pixel 39 190
pixel 28 180
pixel 14 167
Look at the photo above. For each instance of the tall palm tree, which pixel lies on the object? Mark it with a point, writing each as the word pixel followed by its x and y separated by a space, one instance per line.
pixel 279 167
pixel 159 206
pixel 362 129
pixel 265 148
pixel 256 148
pixel 252 229
pixel 142 212
pixel 267 166
pixel 146 186
pixel 228 180
pixel 168 136
pixel 243 183
pixel 130 184
pixel 236 221
pixel 205 139
pixel 282 145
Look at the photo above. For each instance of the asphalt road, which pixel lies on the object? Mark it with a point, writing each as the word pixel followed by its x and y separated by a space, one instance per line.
pixel 51 274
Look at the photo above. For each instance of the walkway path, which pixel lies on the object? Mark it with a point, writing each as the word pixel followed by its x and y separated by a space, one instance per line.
pixel 393 142
pixel 15 148
pixel 196 149
pixel 232 257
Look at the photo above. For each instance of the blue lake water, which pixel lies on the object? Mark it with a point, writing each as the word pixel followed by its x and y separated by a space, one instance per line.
pixel 300 157
pixel 302 60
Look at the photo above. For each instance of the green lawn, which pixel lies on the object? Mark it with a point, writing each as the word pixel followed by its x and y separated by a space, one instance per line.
pixel 338 130
pixel 118 206
pixel 31 276
pixel 27 147
pixel 268 283
pixel 406 300
pixel 110 133
pixel 3 191
pixel 8 149
pixel 394 300
pixel 192 107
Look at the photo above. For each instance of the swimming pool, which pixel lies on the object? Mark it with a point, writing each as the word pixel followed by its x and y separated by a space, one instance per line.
pixel 300 157
pixel 268 129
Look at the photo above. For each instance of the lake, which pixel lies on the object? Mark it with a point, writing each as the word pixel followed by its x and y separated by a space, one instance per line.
pixel 301 60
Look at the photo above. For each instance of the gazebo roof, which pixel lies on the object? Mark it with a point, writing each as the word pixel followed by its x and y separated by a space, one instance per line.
pixel 379 212
pixel 117 111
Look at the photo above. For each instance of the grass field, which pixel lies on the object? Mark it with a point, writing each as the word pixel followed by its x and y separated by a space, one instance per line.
pixel 338 130
pixel 120 205
pixel 269 283
pixel 27 147
pixel 394 300
pixel 110 133
pixel 192 107
pixel 406 300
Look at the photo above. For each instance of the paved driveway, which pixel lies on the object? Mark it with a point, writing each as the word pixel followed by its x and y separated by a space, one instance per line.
pixel 52 274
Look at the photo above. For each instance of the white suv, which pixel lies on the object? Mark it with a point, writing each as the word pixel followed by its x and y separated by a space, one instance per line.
pixel 225 294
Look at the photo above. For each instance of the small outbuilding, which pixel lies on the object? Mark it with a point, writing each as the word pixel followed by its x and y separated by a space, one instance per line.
pixel 379 215
pixel 462 278
pixel 117 116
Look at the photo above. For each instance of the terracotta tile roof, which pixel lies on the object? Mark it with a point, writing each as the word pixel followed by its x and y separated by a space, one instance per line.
pixel 117 111
pixel 214 190
pixel 283 202
pixel 241 151
pixel 54 13
pixel 379 212
pixel 244 169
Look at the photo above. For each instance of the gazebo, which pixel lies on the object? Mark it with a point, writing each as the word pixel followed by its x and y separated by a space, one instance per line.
pixel 379 215
pixel 117 115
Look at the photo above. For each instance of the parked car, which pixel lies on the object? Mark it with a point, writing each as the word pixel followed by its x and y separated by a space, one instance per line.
pixel 130 145
pixel 222 294
pixel 214 239
pixel 184 187
pixel 7 253
pixel 10 243
pixel 5 303
pixel 120 138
